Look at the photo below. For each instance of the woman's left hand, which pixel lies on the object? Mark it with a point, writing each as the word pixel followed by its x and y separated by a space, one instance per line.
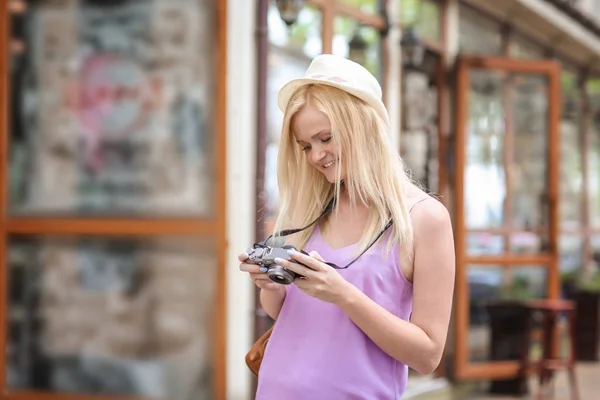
pixel 321 281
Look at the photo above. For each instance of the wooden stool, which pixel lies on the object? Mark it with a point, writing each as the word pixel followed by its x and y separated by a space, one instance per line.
pixel 550 362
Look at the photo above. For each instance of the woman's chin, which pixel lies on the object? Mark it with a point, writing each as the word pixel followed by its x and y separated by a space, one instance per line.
pixel 330 176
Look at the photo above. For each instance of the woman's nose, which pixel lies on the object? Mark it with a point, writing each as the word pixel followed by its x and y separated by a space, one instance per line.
pixel 318 155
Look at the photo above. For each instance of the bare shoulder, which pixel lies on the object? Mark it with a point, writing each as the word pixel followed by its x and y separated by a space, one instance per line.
pixel 429 214
pixel 432 230
pixel 433 246
pixel 425 209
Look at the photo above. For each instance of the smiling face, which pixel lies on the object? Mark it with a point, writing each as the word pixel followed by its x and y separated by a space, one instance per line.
pixel 312 131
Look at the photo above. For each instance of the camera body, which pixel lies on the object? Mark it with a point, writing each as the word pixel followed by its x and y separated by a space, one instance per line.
pixel 265 256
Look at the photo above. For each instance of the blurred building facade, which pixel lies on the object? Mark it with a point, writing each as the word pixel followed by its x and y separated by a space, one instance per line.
pixel 139 140
pixel 494 108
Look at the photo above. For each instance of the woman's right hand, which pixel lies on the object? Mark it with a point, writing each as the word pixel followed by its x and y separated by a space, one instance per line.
pixel 260 279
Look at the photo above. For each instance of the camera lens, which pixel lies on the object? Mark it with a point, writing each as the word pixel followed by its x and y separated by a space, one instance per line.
pixel 281 276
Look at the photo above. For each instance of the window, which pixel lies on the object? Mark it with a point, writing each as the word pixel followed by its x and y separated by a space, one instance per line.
pixel 114 198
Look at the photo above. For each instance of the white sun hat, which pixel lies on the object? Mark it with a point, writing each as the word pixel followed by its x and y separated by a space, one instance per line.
pixel 341 73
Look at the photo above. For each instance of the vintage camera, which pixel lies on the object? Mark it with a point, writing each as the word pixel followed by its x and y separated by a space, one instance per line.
pixel 265 256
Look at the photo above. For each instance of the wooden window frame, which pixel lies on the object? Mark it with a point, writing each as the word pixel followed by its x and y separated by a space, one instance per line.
pixel 464 369
pixel 583 73
pixel 333 8
pixel 121 227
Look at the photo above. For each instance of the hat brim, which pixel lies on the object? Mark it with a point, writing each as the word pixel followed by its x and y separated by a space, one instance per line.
pixel 286 92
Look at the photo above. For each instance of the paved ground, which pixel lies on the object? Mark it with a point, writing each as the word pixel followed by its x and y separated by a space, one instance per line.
pixel 588 375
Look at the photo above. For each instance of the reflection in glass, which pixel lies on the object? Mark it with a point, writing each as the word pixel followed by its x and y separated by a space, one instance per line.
pixel 112 317
pixel 484 171
pixel 483 243
pixel 112 108
pixel 529 165
pixel 526 224
pixel 527 242
pixel 345 29
pixel 571 252
pixel 496 310
pixel 593 87
pixel 477 34
pixel 571 172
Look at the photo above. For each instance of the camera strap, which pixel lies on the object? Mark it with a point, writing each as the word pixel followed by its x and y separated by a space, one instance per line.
pixel 327 210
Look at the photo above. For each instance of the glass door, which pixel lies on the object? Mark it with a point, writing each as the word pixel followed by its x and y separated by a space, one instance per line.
pixel 506 204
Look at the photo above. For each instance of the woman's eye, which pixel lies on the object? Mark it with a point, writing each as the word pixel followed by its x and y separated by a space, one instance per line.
pixel 326 140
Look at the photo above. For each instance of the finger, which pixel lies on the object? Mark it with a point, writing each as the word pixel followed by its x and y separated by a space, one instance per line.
pixel 268 285
pixel 252 268
pixel 243 257
pixel 259 277
pixel 316 255
pixel 303 284
pixel 310 262
pixel 295 267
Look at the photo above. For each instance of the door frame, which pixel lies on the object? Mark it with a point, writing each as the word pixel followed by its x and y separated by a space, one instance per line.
pixel 463 368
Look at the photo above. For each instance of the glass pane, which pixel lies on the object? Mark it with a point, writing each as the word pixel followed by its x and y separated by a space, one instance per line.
pixel 477 34
pixel 571 253
pixel 484 171
pixel 485 244
pixel 497 315
pixel 593 87
pixel 429 22
pixel 595 244
pixel 357 42
pixel 112 317
pixel 594 176
pixel 529 162
pixel 112 108
pixel 367 6
pixel 571 173
pixel 290 53
pixel 525 242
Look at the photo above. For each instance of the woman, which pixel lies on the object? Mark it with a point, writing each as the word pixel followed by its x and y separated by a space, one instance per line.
pixel 351 333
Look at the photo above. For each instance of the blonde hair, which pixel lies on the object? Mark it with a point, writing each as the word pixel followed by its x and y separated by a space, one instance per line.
pixel 375 174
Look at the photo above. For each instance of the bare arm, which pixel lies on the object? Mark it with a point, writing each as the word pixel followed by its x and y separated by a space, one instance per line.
pixel 271 294
pixel 272 301
pixel 420 342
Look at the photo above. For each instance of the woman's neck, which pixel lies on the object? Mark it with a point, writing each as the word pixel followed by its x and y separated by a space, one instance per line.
pixel 345 204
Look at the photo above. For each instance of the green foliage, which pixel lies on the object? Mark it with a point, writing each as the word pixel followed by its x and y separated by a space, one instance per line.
pixel 364 5
pixel 569 276
pixel 410 12
pixel 590 285
pixel 429 20
pixel 519 289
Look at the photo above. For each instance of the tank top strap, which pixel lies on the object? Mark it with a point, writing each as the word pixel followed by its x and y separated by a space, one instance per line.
pixel 420 201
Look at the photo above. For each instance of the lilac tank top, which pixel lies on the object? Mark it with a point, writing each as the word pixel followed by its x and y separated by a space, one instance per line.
pixel 316 352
